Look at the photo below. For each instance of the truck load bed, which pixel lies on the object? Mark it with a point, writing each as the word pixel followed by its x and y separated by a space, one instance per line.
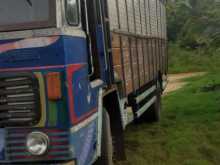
pixel 139 42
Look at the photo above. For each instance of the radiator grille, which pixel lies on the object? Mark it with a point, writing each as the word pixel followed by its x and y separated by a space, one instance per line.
pixel 19 100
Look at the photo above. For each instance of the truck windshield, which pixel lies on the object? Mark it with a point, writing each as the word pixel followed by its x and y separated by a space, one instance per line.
pixel 26 14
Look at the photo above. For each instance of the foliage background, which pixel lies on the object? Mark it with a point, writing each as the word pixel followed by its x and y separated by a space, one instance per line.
pixel 194 34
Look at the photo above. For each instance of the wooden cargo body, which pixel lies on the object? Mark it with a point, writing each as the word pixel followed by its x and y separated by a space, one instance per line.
pixel 139 42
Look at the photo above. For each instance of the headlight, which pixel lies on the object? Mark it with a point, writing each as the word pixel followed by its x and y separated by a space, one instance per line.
pixel 37 143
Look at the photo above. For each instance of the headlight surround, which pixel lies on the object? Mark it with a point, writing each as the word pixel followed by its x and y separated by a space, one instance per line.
pixel 37 143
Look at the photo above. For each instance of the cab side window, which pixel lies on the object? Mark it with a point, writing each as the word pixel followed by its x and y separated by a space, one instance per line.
pixel 72 12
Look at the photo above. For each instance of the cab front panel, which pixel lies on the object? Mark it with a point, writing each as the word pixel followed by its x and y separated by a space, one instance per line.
pixel 26 105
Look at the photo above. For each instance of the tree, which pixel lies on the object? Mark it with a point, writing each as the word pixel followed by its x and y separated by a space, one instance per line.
pixel 194 23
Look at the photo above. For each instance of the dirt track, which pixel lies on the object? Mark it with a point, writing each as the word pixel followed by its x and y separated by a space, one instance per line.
pixel 175 81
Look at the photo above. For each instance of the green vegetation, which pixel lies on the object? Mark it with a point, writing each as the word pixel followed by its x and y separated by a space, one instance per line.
pixel 194 35
pixel 194 24
pixel 188 133
pixel 182 60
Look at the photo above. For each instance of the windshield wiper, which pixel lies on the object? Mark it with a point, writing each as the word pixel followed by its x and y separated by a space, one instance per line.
pixel 29 2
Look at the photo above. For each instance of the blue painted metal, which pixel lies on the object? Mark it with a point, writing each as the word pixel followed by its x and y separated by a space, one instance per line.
pixel 2 144
pixel 84 143
pixel 102 58
pixel 65 51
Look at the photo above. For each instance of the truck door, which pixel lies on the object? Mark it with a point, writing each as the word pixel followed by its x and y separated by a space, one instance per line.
pixel 96 26
pixel 105 28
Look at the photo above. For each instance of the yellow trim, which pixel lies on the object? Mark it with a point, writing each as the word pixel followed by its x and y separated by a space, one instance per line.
pixel 40 78
pixel 70 163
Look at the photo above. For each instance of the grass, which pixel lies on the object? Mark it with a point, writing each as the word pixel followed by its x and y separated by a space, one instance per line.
pixel 188 133
pixel 183 61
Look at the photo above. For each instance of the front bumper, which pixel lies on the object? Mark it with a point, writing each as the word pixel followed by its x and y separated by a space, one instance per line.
pixel 13 146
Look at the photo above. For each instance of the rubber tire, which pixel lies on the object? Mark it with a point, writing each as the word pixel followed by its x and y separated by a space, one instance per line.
pixel 153 113
pixel 155 109
pixel 106 157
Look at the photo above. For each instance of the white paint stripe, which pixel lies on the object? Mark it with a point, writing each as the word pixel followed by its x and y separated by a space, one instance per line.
pixel 130 118
pixel 123 111
pixel 100 111
pixel 70 31
pixel 96 83
pixel 84 123
pixel 146 106
pixel 145 94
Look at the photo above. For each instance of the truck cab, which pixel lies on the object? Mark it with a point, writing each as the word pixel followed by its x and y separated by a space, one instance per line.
pixel 48 82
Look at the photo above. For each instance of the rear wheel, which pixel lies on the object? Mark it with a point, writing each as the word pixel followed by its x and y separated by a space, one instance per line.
pixel 106 157
pixel 153 113
pixel 155 109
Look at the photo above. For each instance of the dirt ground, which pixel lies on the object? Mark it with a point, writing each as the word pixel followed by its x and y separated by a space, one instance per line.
pixel 175 81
